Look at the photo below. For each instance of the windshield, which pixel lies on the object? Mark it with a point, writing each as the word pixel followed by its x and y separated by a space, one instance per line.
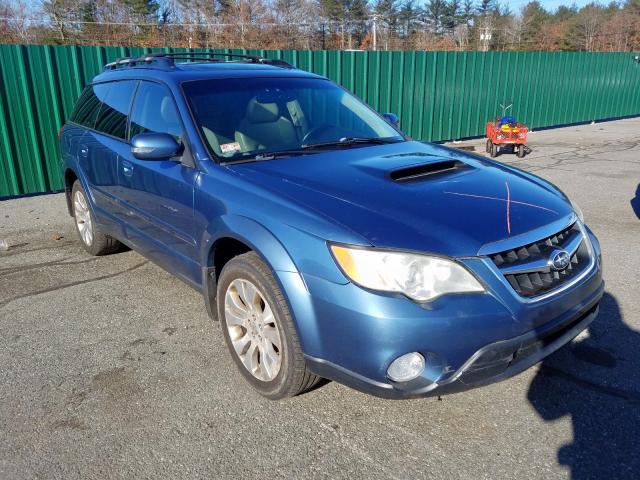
pixel 249 117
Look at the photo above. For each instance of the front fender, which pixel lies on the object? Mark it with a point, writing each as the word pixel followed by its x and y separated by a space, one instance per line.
pixel 251 233
pixel 273 253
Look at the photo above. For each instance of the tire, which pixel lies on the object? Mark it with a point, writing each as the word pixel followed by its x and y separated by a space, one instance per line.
pixel 488 146
pixel 520 151
pixel 255 339
pixel 93 240
pixel 494 150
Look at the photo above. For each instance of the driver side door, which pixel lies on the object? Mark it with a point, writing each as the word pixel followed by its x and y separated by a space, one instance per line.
pixel 157 195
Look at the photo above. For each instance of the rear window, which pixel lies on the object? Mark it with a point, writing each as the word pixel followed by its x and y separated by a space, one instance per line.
pixel 112 118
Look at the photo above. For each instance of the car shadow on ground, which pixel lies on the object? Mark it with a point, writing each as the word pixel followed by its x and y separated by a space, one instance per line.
pixel 595 382
pixel 635 202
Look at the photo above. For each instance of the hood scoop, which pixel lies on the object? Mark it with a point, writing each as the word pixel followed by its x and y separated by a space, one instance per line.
pixel 419 172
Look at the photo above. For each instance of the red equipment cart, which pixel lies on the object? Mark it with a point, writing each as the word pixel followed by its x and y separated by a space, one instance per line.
pixel 500 133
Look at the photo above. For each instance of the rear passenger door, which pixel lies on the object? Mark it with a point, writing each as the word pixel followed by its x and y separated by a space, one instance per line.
pixel 106 105
pixel 101 145
pixel 158 194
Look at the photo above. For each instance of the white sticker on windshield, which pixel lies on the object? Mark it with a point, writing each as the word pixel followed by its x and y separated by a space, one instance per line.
pixel 229 147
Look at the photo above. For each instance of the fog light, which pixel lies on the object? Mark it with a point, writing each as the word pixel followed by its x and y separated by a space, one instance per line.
pixel 407 367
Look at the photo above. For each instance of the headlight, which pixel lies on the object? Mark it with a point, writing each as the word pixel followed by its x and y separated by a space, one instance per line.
pixel 419 277
pixel 578 211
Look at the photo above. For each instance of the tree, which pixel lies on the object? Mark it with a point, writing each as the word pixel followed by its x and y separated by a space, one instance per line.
pixel 290 14
pixel 585 27
pixel 435 11
pixel 467 11
pixel 387 11
pixel 350 14
pixel 407 16
pixel 564 13
pixel 486 7
pixel 632 7
pixel 451 14
pixel 612 25
pixel 533 25
pixel 141 10
pixel 61 13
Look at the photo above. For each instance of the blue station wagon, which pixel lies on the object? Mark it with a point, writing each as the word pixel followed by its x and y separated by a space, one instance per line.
pixel 326 242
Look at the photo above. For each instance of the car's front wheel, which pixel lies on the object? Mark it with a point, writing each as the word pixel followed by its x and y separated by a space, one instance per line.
pixel 259 330
pixel 93 240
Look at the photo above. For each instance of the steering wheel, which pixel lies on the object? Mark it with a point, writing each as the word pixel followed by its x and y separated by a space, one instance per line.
pixel 322 133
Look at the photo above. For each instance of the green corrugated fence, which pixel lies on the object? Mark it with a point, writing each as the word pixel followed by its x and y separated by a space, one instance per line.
pixel 437 95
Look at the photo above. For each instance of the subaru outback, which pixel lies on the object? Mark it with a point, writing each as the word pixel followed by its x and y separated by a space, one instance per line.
pixel 326 242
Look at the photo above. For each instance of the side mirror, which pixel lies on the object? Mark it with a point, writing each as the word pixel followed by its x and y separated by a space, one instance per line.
pixel 154 146
pixel 392 118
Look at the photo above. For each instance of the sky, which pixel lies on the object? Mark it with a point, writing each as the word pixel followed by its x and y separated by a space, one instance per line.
pixel 551 4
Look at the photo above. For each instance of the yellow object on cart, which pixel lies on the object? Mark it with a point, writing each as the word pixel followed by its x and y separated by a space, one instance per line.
pixel 508 129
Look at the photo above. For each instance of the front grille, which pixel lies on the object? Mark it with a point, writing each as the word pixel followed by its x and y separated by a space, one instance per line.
pixel 525 267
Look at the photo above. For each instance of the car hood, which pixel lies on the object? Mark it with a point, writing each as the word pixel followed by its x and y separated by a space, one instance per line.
pixel 417 196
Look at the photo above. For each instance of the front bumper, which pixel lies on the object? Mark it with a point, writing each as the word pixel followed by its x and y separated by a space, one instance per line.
pixel 490 364
pixel 352 335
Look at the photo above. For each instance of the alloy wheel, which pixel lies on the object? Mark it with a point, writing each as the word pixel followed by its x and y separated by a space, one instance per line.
pixel 83 217
pixel 253 330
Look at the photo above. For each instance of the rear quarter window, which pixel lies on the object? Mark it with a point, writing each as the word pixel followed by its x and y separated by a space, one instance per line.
pixel 87 107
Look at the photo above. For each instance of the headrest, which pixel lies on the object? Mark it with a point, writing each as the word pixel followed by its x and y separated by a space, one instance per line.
pixel 258 112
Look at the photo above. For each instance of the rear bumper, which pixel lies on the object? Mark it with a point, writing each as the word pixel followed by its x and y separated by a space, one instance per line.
pixel 490 364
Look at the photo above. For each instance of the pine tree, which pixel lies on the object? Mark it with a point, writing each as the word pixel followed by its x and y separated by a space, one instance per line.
pixel 486 7
pixel 451 14
pixel 435 11
pixel 407 16
pixel 467 11
pixel 534 17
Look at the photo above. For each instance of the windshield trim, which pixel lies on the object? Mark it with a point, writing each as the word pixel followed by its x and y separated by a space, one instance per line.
pixel 303 74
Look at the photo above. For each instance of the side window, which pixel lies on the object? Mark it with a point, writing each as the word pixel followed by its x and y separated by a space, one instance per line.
pixel 154 111
pixel 112 118
pixel 88 105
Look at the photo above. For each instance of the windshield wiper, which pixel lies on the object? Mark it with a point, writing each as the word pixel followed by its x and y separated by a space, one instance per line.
pixel 346 141
pixel 309 149
pixel 280 154
pixel 263 157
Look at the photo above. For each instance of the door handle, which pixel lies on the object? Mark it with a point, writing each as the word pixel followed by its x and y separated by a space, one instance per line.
pixel 84 151
pixel 127 169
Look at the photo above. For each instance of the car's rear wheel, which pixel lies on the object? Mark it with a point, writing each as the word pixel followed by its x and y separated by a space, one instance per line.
pixel 520 151
pixel 259 330
pixel 488 146
pixel 93 240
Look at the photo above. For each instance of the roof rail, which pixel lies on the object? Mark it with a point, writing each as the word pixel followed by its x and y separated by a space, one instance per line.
pixel 167 59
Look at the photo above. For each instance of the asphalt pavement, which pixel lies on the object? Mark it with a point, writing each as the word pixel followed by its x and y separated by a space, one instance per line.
pixel 110 367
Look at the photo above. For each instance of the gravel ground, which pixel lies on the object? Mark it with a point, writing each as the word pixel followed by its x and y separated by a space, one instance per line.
pixel 110 367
